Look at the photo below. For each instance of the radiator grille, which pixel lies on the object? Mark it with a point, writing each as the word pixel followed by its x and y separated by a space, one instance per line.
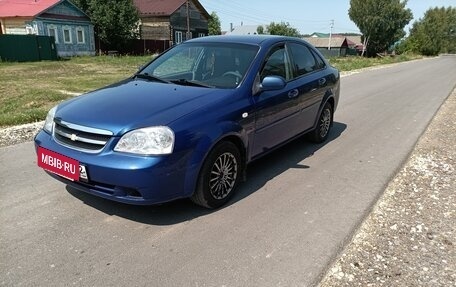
pixel 80 137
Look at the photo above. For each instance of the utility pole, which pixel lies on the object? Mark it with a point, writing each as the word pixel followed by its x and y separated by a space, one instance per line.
pixel 330 33
pixel 188 20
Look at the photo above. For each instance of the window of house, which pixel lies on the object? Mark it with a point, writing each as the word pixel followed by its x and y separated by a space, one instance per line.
pixel 29 30
pixel 67 35
pixel 52 31
pixel 195 15
pixel 178 37
pixel 80 35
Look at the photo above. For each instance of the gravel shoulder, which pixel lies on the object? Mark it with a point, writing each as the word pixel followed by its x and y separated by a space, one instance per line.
pixel 409 237
pixel 18 134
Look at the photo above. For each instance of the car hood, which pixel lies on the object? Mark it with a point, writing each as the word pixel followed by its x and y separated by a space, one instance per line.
pixel 132 104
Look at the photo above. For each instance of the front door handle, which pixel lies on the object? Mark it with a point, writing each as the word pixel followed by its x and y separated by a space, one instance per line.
pixel 293 93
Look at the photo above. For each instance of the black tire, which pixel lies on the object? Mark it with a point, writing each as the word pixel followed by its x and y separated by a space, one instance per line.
pixel 324 124
pixel 219 176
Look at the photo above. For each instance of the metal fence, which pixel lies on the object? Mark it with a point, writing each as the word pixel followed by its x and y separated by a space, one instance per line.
pixel 25 48
pixel 136 47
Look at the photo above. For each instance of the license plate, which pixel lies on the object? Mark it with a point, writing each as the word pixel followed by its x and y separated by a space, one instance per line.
pixel 83 173
pixel 59 164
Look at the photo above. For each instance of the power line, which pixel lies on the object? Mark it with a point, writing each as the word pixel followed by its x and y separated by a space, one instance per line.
pixel 239 10
pixel 265 13
pixel 228 10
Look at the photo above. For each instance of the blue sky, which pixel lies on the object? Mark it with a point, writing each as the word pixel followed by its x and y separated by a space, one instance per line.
pixel 307 16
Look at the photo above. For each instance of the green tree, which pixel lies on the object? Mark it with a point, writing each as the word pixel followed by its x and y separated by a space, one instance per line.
pixel 115 21
pixel 283 29
pixel 433 34
pixel 82 4
pixel 214 25
pixel 260 30
pixel 381 22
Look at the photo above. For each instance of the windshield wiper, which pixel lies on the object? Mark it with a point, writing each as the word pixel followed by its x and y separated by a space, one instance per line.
pixel 146 76
pixel 185 82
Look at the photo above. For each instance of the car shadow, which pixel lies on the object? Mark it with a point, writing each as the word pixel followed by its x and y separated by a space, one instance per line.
pixel 259 173
pixel 290 156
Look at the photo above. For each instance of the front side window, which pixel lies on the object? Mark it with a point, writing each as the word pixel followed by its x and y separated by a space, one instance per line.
pixel 277 64
pixel 303 59
pixel 52 31
pixel 67 35
pixel 80 35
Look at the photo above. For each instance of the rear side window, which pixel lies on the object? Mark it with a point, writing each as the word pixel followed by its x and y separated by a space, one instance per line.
pixel 303 59
pixel 320 63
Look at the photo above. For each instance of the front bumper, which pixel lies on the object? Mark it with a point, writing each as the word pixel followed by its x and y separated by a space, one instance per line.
pixel 126 178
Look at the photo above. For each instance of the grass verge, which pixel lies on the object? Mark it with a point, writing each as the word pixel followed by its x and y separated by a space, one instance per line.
pixel 29 90
pixel 355 63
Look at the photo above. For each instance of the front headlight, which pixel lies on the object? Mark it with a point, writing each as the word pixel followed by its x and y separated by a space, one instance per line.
pixel 147 141
pixel 49 122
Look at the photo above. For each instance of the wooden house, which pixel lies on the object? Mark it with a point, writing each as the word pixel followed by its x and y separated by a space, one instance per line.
pixel 330 47
pixel 71 28
pixel 172 20
pixel 354 43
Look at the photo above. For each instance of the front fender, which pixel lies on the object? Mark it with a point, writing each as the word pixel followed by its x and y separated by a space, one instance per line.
pixel 209 138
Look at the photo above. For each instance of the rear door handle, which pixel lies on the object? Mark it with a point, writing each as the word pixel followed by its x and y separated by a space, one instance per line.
pixel 293 93
pixel 322 81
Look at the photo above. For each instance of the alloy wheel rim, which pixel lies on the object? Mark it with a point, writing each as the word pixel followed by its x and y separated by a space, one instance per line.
pixel 325 122
pixel 223 175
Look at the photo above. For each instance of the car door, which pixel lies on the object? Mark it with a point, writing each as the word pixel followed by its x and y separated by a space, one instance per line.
pixel 276 112
pixel 311 80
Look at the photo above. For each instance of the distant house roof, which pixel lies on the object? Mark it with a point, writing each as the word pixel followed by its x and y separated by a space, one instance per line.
pixel 246 30
pixel 24 8
pixel 350 43
pixel 324 42
pixel 163 8
pixel 319 35
pixel 356 39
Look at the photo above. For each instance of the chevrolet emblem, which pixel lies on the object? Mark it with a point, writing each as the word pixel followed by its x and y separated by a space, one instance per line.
pixel 74 137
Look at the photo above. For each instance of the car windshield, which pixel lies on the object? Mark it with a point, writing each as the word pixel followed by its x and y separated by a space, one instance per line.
pixel 218 65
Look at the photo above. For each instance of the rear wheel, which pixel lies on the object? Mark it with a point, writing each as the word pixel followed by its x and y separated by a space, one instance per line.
pixel 325 121
pixel 219 176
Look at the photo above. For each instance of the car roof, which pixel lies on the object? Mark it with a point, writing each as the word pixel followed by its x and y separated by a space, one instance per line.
pixel 243 39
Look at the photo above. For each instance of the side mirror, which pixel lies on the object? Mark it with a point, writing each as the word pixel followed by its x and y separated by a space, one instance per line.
pixel 273 83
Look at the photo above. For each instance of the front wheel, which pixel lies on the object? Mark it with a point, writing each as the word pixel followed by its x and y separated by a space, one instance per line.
pixel 219 176
pixel 325 121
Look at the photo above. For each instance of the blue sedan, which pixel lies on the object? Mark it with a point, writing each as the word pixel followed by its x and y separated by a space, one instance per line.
pixel 187 124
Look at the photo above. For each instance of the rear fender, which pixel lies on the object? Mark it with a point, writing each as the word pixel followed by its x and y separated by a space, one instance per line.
pixel 329 97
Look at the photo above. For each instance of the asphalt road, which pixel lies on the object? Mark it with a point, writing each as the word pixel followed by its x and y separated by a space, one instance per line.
pixel 284 227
